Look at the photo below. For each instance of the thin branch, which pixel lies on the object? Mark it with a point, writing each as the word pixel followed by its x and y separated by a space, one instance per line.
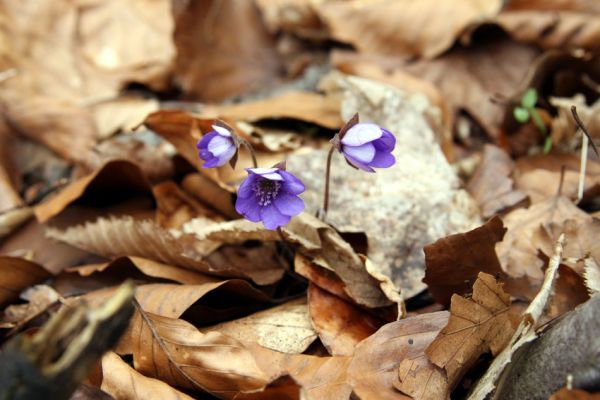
pixel 584 129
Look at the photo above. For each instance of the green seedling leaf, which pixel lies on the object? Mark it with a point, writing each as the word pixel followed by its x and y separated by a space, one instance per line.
pixel 537 119
pixel 547 144
pixel 521 114
pixel 529 98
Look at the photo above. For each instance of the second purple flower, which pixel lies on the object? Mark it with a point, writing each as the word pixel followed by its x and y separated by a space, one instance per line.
pixel 217 147
pixel 366 145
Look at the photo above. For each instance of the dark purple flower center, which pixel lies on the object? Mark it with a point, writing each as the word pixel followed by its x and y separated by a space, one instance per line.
pixel 265 191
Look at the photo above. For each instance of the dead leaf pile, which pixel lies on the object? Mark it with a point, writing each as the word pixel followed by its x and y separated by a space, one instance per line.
pixel 433 279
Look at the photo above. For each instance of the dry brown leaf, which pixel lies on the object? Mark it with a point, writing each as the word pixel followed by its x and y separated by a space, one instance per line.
pixel 121 114
pixel 154 161
pixel 9 174
pixel 321 243
pixel 454 262
pixel 230 232
pixel 479 73
pixel 12 219
pixel 175 352
pixel 285 328
pixel 17 274
pixel 174 207
pixel 411 29
pixel 304 106
pixel 293 16
pixel 118 179
pixel 421 379
pixel 591 274
pixel 564 127
pixel 492 185
pixel 123 382
pixel 518 251
pixel 210 193
pixel 214 61
pixel 340 324
pixel 39 299
pixel 539 176
pixel 151 268
pixel 476 326
pixel 552 28
pixel 569 292
pixel 116 237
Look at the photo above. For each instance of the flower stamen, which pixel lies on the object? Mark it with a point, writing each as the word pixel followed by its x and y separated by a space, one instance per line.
pixel 266 190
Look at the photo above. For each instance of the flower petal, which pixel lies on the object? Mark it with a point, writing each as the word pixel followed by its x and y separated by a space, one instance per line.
pixel 203 143
pixel 248 208
pixel 359 164
pixel 220 145
pixel 361 133
pixel 291 184
pixel 386 142
pixel 288 204
pixel 268 173
pixel 226 156
pixel 245 189
pixel 210 161
pixel 364 153
pixel 221 131
pixel 272 218
pixel 383 159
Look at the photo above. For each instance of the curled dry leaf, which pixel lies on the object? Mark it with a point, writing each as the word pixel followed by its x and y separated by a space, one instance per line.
pixel 552 28
pixel 150 268
pixel 476 326
pixel 526 229
pixel 247 58
pixel 116 237
pixel 454 262
pixel 411 29
pixel 175 208
pixel 17 274
pixel 492 185
pixel 210 193
pixel 115 180
pixel 479 73
pixel 340 324
pixel 285 328
pixel 304 106
pixel 123 382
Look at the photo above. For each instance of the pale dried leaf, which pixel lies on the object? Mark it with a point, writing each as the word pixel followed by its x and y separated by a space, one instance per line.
pixel 12 219
pixel 285 328
pixel 591 274
pixel 17 274
pixel 116 237
pixel 123 382
pixel 411 29
pixel 230 232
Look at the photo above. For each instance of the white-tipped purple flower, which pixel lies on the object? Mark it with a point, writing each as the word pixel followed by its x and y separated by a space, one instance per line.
pixel 269 195
pixel 217 147
pixel 365 145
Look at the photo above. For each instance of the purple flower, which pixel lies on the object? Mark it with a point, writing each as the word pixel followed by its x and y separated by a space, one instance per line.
pixel 366 145
pixel 270 195
pixel 217 147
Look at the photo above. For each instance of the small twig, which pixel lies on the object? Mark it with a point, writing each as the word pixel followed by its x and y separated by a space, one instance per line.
pixel 561 181
pixel 584 129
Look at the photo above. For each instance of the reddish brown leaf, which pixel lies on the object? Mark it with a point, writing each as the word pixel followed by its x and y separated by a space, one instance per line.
pixel 340 324
pixel 454 262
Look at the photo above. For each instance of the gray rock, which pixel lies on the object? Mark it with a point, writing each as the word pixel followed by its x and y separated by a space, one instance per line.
pixel 402 208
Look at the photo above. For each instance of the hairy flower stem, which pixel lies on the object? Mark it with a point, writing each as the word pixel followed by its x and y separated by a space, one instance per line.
pixel 250 149
pixel 327 175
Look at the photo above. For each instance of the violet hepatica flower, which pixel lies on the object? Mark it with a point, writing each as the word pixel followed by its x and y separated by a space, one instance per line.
pixel 270 195
pixel 217 147
pixel 365 145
